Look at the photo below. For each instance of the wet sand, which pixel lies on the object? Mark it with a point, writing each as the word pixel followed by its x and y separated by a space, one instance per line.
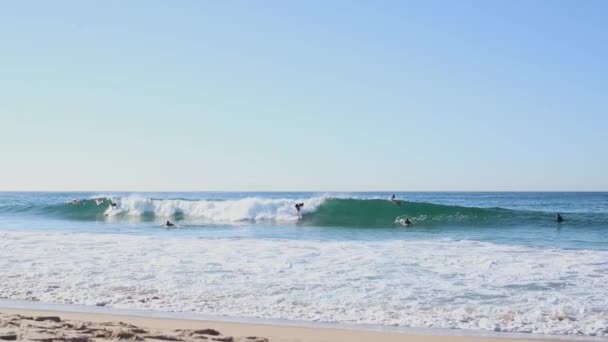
pixel 43 325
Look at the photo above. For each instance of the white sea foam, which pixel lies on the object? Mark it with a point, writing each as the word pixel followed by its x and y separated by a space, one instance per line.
pixel 431 283
pixel 246 209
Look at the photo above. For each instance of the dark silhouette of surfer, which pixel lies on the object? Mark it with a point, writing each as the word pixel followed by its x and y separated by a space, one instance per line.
pixel 403 221
pixel 169 224
pixel 559 218
pixel 394 199
pixel 298 208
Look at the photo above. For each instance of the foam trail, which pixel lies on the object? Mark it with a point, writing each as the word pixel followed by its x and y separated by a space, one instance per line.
pixel 418 283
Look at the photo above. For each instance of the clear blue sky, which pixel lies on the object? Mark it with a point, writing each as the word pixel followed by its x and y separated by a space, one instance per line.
pixel 304 95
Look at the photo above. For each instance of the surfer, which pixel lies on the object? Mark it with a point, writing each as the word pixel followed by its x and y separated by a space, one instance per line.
pixel 169 224
pixel 403 221
pixel 113 204
pixel 299 207
pixel 559 218
pixel 394 199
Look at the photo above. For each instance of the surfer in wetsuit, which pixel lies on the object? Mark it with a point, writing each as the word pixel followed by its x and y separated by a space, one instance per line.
pixel 169 224
pixel 407 221
pixel 298 208
pixel 394 199
pixel 559 218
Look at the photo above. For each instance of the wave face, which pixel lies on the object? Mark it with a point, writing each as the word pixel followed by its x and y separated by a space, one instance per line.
pixel 379 213
pixel 317 211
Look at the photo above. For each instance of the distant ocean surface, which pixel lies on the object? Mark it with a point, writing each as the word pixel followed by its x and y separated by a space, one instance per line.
pixel 489 261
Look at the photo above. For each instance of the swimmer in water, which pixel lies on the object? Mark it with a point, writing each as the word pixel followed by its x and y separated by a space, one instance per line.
pixel 559 218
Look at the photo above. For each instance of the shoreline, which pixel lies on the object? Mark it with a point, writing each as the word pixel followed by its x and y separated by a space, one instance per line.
pixel 274 330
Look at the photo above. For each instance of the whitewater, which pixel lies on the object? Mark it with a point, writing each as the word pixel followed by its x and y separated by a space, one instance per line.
pixel 227 211
pixel 482 261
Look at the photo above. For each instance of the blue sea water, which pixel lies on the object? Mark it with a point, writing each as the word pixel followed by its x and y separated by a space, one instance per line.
pixel 493 261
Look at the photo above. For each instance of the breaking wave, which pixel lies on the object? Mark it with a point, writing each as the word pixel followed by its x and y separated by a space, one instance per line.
pixel 317 211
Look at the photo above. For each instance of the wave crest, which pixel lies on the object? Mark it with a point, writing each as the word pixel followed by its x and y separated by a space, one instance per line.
pixel 317 211
pixel 246 209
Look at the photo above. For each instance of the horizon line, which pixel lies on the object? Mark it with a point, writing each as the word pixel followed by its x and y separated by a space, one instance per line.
pixel 303 191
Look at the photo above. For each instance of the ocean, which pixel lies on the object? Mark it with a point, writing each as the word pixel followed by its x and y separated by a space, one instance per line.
pixel 489 261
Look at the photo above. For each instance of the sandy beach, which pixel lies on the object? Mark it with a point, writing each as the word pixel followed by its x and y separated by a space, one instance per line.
pixel 43 325
pixel 304 171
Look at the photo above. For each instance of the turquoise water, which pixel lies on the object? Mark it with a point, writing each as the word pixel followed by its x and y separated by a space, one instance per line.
pixel 493 261
pixel 513 218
